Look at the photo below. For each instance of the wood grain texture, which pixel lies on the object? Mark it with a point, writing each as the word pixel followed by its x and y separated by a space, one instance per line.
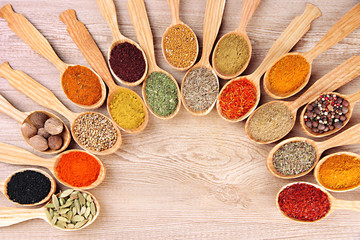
pixel 188 177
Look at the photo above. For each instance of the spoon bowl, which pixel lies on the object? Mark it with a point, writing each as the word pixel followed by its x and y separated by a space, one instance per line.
pixel 30 35
pixel 22 118
pixel 348 23
pixel 10 215
pixel 322 161
pixel 3 186
pixel 352 99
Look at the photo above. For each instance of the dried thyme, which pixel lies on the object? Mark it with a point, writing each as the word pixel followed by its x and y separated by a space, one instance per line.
pixel 161 93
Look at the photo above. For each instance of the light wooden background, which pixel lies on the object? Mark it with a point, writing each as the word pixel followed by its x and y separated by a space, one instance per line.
pixel 190 177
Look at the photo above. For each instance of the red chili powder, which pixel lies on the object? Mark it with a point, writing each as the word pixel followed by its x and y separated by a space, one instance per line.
pixel 237 98
pixel 304 202
pixel 78 169
pixel 127 62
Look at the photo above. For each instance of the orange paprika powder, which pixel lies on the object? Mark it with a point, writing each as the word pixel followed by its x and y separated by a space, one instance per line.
pixel 78 169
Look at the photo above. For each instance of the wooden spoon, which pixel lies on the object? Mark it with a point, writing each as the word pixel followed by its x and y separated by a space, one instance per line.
pixel 43 96
pixel 107 9
pixel 339 76
pixel 142 28
pixel 352 99
pixel 350 136
pixel 322 161
pixel 18 156
pixel 334 203
pixel 292 34
pixel 176 22
pixel 12 215
pixel 30 35
pixel 248 9
pixel 88 47
pixel 3 186
pixel 212 21
pixel 22 117
pixel 348 23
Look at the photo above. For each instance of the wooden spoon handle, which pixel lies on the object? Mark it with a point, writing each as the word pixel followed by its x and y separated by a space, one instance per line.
pixel 212 21
pixel 174 8
pixel 348 205
pixel 353 98
pixel 292 34
pixel 11 111
pixel 348 23
pixel 108 10
pixel 87 46
pixel 13 215
pixel 30 35
pixel 248 9
pixel 339 76
pixel 34 90
pixel 2 187
pixel 142 28
pixel 18 156
pixel 350 136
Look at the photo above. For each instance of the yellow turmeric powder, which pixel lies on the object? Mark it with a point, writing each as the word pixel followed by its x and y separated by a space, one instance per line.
pixel 340 172
pixel 288 74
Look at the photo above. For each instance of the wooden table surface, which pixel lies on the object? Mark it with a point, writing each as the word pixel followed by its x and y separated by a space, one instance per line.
pixel 190 177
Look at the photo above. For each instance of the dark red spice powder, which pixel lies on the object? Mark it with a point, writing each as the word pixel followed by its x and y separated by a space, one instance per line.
pixel 237 98
pixel 304 202
pixel 127 62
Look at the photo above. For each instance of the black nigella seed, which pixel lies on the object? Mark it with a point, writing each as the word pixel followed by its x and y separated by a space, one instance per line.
pixel 28 187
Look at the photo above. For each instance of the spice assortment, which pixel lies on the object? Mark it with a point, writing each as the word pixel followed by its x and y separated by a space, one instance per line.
pixel 71 209
pixel 327 112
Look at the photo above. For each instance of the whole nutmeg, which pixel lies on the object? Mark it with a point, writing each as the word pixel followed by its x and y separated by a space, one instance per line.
pixel 38 119
pixel 39 143
pixel 55 142
pixel 42 132
pixel 28 129
pixel 53 126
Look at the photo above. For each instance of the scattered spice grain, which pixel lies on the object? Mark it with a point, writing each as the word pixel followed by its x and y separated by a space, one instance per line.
pixel 95 131
pixel 161 93
pixel 294 158
pixel 340 172
pixel 304 202
pixel 78 169
pixel 126 108
pixel 200 89
pixel 180 46
pixel 81 85
pixel 127 62
pixel 288 74
pixel 232 53
pixel 237 98
pixel 270 121
pixel 28 187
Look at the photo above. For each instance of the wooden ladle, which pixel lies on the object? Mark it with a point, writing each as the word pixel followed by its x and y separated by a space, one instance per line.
pixel 18 156
pixel 339 76
pixel 352 99
pixel 212 21
pixel 322 161
pixel 334 203
pixel 348 23
pixel 22 117
pixel 176 22
pixel 4 184
pixel 43 96
pixel 248 9
pixel 350 136
pixel 287 40
pixel 12 215
pixel 30 35
pixel 88 47
pixel 142 28
pixel 107 9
